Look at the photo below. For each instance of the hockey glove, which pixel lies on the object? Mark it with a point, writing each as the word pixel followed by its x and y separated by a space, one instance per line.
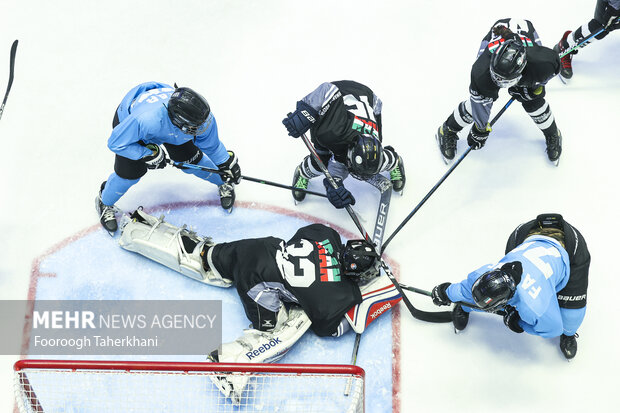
pixel 157 159
pixel 231 169
pixel 339 197
pixel 300 121
pixel 511 319
pixel 526 94
pixel 477 138
pixel 440 296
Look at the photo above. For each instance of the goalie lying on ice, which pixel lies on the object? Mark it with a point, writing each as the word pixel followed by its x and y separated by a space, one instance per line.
pixel 312 280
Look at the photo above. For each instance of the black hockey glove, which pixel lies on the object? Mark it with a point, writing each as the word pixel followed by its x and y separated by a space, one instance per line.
pixel 339 197
pixel 231 168
pixel 526 94
pixel 300 121
pixel 439 295
pixel 157 159
pixel 477 138
pixel 511 319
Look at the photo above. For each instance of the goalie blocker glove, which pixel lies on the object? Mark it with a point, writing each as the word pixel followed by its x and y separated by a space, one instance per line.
pixel 231 168
pixel 301 120
pixel 157 160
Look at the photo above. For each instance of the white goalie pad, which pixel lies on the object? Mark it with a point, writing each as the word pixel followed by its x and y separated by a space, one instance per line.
pixel 256 346
pixel 163 243
pixel 378 296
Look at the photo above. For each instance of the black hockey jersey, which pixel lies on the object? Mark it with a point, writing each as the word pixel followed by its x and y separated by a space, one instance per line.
pixel 542 65
pixel 305 270
pixel 346 109
pixel 574 294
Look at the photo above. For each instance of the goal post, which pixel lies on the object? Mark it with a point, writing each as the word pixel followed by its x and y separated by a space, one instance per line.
pixel 47 386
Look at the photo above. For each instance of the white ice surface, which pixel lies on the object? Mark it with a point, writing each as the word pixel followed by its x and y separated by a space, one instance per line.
pixel 253 60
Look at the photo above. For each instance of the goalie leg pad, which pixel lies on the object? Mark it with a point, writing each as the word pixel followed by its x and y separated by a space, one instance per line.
pixel 267 346
pixel 259 347
pixel 378 296
pixel 176 248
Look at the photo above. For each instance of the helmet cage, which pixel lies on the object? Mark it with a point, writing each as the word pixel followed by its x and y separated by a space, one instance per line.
pixel 189 111
pixel 359 260
pixel 508 63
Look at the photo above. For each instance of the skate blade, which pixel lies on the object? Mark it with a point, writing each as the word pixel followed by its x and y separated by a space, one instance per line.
pixel 564 80
pixel 229 210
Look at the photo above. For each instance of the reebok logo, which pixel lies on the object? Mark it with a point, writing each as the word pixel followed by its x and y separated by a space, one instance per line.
pixel 380 310
pixel 263 348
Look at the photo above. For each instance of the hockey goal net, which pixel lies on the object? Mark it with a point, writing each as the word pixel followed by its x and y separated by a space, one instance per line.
pixel 143 386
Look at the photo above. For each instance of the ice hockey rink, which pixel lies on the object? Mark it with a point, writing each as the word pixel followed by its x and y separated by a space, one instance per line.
pixel 253 60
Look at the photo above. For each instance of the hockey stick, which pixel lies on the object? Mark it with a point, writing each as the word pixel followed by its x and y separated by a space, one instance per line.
pixel 433 317
pixel 385 189
pixel 443 178
pixel 182 165
pixel 11 74
pixel 429 294
pixel 584 42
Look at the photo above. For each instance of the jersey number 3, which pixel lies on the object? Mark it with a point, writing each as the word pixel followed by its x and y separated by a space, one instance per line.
pixel 297 269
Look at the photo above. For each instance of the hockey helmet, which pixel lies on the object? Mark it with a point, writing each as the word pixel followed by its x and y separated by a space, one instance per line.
pixel 508 62
pixel 494 288
pixel 364 156
pixel 188 111
pixel 360 259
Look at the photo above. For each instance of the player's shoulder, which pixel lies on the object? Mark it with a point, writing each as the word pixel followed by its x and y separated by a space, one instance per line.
pixel 351 86
pixel 316 232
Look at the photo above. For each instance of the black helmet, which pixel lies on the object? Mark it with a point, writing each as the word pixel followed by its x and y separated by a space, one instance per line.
pixel 360 259
pixel 188 111
pixel 508 62
pixel 494 288
pixel 365 157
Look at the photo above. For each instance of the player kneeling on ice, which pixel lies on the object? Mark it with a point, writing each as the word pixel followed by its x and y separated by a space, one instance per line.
pixel 510 56
pixel 286 287
pixel 154 114
pixel 344 119
pixel 539 287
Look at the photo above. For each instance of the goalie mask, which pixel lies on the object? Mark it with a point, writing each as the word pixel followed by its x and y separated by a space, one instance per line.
pixel 494 288
pixel 188 111
pixel 360 260
pixel 365 157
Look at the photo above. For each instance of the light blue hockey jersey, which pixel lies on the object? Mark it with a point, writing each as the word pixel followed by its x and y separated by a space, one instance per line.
pixel 143 116
pixel 546 270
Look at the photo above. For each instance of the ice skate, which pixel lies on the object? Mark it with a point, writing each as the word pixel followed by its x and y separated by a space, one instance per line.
pixel 566 72
pixel 460 318
pixel 554 147
pixel 300 182
pixel 227 196
pixel 568 345
pixel 107 213
pixel 397 176
pixel 446 139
